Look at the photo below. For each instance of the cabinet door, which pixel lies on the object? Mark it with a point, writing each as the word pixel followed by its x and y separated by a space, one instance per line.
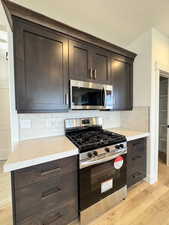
pixel 41 68
pixel 122 80
pixel 101 66
pixel 80 61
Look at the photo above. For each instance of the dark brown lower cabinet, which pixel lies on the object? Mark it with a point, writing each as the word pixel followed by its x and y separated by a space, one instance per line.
pixel 46 194
pixel 136 161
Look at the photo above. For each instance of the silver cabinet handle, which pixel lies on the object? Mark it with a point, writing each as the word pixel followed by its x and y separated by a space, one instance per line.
pixel 91 73
pixel 66 99
pixel 95 74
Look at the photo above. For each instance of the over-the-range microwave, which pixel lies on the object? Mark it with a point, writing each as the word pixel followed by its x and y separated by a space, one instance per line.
pixel 89 95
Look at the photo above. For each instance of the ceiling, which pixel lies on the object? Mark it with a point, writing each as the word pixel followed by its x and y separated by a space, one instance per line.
pixel 119 22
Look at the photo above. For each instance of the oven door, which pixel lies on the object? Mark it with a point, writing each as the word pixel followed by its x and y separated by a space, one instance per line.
pixel 86 95
pixel 98 181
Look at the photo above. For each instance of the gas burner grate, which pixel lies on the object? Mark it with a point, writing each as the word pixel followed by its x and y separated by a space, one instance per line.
pixel 89 139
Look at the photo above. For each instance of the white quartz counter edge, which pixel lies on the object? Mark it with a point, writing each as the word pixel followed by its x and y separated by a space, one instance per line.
pixel 130 134
pixel 131 138
pixel 27 163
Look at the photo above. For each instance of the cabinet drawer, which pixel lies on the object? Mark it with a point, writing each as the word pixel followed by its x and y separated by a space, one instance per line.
pixel 135 177
pixel 32 220
pixel 45 195
pixel 28 200
pixel 61 216
pixel 67 192
pixel 39 173
pixel 137 146
pixel 136 162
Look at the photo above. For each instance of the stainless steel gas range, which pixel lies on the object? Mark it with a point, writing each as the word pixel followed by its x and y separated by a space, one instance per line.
pixel 102 166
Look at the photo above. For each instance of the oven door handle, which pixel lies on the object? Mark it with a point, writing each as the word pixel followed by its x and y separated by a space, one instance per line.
pixel 95 162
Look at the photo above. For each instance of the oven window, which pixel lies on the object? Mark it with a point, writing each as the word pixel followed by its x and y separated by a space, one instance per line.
pixel 100 174
pixel 86 96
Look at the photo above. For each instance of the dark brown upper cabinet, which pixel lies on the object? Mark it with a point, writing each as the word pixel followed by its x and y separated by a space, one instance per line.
pixel 80 61
pixel 88 63
pixel 41 68
pixel 101 65
pixel 48 53
pixel 122 81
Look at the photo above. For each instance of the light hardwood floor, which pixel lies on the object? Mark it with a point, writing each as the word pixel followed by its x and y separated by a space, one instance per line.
pixel 146 204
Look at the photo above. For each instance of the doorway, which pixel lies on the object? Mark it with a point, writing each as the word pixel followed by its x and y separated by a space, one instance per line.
pixel 163 119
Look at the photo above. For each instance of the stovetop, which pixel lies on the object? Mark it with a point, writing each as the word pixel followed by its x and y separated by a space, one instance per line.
pixel 90 138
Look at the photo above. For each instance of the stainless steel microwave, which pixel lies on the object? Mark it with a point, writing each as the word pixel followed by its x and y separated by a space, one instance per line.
pixel 88 95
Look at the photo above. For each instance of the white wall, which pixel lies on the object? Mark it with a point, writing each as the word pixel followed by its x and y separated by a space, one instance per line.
pixel 153 50
pixel 143 92
pixel 142 69
pixel 160 48
pixel 160 60
pixel 5 143
pixel 13 112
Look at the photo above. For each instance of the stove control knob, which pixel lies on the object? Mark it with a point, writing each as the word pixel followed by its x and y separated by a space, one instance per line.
pixel 117 146
pixel 107 149
pixel 95 153
pixel 121 146
pixel 89 155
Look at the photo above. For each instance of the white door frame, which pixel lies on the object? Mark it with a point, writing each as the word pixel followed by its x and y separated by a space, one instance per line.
pixel 166 75
pixel 154 119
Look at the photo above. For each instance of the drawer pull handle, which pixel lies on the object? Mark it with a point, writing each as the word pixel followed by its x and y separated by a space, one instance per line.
pixel 138 143
pixel 56 217
pixel 136 174
pixel 45 173
pixel 137 157
pixel 50 192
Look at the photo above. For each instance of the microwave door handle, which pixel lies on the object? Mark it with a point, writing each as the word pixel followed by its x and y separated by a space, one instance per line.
pixel 103 103
pixel 104 98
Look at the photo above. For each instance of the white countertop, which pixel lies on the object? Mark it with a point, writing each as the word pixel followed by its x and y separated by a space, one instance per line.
pixel 130 134
pixel 36 151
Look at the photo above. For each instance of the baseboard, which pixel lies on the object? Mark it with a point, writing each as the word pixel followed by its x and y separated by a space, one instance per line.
pixel 151 180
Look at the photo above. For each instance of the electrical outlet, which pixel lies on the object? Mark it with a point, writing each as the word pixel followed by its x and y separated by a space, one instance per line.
pixel 25 124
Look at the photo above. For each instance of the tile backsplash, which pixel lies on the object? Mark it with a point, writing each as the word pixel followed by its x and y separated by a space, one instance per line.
pixel 51 124
pixel 137 119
